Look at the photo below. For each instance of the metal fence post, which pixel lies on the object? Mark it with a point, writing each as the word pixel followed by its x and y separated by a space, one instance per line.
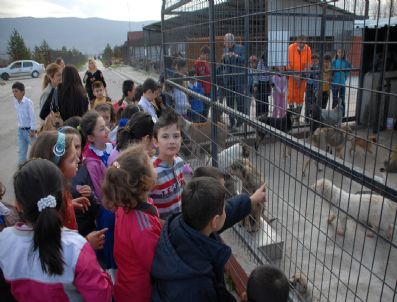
pixel 164 47
pixel 214 111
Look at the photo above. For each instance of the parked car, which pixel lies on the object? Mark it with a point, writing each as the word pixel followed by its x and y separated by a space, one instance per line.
pixel 21 68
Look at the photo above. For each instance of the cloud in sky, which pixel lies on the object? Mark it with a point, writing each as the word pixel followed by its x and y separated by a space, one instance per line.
pixel 122 10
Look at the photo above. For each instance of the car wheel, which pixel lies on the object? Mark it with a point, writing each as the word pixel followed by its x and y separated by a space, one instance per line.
pixel 35 74
pixel 5 76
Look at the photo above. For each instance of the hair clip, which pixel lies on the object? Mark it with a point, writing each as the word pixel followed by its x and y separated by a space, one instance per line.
pixel 116 164
pixel 46 202
pixel 123 122
pixel 59 148
pixel 127 129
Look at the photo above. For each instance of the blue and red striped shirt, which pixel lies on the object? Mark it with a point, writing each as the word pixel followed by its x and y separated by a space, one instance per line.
pixel 167 193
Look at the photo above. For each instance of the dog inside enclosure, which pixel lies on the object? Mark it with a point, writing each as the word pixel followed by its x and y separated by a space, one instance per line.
pixel 300 283
pixel 390 165
pixel 251 179
pixel 365 145
pixel 200 133
pixel 328 117
pixel 327 139
pixel 236 151
pixel 283 124
pixel 371 209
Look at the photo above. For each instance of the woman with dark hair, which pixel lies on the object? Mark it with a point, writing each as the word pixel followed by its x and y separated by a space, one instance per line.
pixel 139 129
pixel 128 95
pixel 70 96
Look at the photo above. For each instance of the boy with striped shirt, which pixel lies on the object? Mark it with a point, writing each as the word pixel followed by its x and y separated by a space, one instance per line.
pixel 167 192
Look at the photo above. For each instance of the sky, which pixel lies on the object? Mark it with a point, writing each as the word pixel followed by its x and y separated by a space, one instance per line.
pixel 120 10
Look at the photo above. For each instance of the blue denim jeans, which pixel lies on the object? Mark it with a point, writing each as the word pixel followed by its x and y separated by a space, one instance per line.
pixel 23 143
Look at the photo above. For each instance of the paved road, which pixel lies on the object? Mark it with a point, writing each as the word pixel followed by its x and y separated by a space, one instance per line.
pixel 8 124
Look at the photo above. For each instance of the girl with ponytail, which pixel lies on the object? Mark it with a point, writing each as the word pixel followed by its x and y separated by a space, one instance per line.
pixel 60 149
pixel 139 129
pixel 39 258
pixel 137 229
pixel 52 77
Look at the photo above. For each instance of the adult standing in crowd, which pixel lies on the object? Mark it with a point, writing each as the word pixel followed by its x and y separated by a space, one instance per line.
pixel 52 78
pixel 91 75
pixel 233 61
pixel 264 86
pixel 70 94
pixel 299 59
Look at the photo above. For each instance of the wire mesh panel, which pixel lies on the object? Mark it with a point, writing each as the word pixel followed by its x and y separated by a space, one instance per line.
pixel 301 95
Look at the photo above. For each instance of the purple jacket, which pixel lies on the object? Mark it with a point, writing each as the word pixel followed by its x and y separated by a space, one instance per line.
pixel 97 170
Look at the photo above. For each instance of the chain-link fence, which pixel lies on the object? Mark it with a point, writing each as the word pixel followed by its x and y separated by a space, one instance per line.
pixel 301 95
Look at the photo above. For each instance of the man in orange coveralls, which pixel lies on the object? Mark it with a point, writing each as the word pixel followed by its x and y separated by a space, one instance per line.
pixel 299 59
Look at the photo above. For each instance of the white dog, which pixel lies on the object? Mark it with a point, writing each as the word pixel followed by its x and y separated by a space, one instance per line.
pixel 229 155
pixel 365 207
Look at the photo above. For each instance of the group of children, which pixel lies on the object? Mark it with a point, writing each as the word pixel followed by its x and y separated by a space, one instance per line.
pixel 334 76
pixel 90 205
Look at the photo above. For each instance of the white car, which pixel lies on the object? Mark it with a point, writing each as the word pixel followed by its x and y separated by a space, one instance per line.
pixel 21 68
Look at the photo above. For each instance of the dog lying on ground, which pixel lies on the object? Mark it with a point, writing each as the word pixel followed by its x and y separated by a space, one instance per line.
pixel 300 282
pixel 201 133
pixel 327 138
pixel 283 124
pixel 370 209
pixel 364 144
pixel 391 164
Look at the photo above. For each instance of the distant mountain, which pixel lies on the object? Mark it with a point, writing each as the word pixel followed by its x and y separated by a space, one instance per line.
pixel 87 35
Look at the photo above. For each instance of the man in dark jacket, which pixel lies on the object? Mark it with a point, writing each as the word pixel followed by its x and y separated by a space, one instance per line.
pixel 233 63
pixel 190 257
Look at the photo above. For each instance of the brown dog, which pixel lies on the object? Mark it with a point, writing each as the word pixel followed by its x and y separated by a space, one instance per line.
pixel 53 121
pixel 201 133
pixel 365 144
pixel 251 180
pixel 324 138
pixel 300 283
pixel 391 164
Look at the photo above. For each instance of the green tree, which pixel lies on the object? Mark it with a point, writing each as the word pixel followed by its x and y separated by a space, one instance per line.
pixel 41 53
pixel 16 48
pixel 117 52
pixel 36 54
pixel 107 55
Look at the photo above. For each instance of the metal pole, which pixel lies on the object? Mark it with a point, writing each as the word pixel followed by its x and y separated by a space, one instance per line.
pixel 322 40
pixel 163 48
pixel 214 111
pixel 246 54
